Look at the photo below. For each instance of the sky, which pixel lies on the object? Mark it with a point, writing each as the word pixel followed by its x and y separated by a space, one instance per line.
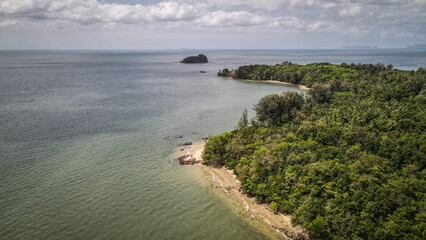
pixel 210 24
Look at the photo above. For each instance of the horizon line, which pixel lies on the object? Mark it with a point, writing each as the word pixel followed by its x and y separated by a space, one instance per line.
pixel 184 49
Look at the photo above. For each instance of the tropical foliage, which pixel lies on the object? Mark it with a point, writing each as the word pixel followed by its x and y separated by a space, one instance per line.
pixel 347 160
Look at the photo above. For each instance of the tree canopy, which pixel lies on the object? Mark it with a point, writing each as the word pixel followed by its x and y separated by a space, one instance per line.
pixel 347 161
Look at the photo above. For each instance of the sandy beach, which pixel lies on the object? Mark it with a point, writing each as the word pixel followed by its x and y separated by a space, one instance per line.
pixel 303 87
pixel 299 86
pixel 228 185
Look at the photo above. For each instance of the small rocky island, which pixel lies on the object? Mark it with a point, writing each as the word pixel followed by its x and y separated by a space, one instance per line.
pixel 201 58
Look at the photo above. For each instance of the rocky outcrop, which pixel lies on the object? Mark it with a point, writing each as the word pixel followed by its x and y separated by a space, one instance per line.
pixel 201 58
pixel 193 154
pixel 188 160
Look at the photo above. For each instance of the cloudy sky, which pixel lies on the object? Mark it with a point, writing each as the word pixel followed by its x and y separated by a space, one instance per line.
pixel 260 24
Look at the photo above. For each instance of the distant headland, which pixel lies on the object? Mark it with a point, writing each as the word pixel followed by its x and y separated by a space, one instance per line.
pixel 201 58
pixel 417 47
pixel 359 47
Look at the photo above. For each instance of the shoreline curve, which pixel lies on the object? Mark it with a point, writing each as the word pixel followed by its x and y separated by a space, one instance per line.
pixel 278 225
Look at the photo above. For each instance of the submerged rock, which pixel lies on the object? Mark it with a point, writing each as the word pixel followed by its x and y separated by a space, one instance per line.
pixel 201 58
pixel 173 137
pixel 185 144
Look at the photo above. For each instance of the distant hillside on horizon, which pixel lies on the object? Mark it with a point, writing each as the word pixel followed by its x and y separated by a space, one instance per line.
pixel 417 46
pixel 358 47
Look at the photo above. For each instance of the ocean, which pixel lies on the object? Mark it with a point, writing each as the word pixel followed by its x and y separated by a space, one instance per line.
pixel 86 138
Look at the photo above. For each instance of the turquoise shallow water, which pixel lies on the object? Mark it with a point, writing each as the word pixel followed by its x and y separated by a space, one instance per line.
pixel 85 140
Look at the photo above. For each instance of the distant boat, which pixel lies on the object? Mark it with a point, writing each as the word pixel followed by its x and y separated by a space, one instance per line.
pixel 202 71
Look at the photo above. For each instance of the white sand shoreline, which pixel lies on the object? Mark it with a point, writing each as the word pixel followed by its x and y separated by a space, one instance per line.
pixel 279 225
pixel 299 86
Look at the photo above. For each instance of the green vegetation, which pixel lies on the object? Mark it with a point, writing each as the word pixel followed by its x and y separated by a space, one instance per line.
pixel 348 160
pixel 201 58
pixel 308 75
pixel 243 122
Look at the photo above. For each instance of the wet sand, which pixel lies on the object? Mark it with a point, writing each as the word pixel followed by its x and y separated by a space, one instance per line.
pixel 260 215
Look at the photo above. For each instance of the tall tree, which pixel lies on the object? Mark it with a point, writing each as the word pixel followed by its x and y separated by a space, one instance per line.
pixel 243 122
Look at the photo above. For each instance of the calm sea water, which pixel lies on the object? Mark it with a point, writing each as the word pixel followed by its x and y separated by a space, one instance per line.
pixel 85 139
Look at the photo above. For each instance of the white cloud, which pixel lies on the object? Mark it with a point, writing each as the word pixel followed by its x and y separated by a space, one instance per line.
pixel 351 11
pixel 230 19
pixel 91 11
pixel 386 18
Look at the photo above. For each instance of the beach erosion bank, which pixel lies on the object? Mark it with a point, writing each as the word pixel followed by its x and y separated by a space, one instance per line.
pixel 227 186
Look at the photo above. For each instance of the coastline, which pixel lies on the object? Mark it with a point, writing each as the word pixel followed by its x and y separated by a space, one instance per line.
pixel 299 86
pixel 227 185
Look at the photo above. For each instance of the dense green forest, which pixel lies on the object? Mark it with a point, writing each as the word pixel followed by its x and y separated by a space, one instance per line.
pixel 347 160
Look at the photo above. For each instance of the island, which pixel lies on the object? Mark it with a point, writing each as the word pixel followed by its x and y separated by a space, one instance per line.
pixel 201 58
pixel 347 160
